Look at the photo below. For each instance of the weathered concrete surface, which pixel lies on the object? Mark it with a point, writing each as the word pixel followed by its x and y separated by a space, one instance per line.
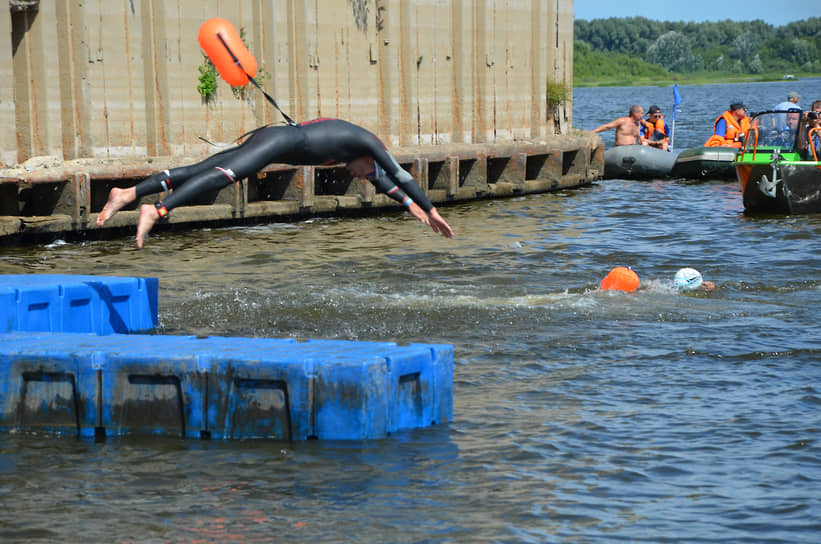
pixel 107 92
pixel 119 79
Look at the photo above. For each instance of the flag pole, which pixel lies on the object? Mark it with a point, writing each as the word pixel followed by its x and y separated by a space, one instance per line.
pixel 673 133
pixel 676 102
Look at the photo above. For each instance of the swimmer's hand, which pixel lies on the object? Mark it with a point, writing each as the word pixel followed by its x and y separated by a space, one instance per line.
pixel 431 219
pixel 438 224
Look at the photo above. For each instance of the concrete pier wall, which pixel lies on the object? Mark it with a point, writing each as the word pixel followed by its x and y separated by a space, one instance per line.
pixel 54 199
pixel 98 93
pixel 118 78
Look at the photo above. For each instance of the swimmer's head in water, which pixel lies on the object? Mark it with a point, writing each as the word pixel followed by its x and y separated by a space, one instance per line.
pixel 688 279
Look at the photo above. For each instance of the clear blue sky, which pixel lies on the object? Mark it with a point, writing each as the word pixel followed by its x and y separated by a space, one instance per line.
pixel 776 12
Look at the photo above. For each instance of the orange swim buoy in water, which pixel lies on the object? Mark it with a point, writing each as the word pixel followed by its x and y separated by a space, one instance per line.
pixel 621 279
pixel 220 51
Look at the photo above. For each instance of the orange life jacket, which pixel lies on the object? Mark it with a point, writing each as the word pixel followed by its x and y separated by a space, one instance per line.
pixel 650 128
pixel 730 137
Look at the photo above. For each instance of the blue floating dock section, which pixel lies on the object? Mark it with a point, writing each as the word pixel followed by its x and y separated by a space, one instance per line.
pixel 69 364
pixel 68 303
pixel 221 388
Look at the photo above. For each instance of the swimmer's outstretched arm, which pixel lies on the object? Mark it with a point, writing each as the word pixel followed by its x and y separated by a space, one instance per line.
pixel 431 217
pixel 396 182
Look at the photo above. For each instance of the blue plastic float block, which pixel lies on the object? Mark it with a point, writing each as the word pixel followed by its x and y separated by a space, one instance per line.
pixel 56 381
pixel 66 303
pixel 221 387
pixel 419 376
pixel 442 363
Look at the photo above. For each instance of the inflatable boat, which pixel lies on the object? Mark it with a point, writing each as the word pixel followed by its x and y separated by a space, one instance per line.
pixel 705 163
pixel 637 162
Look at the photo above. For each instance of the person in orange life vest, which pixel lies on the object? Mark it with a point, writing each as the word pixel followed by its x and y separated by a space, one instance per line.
pixel 654 130
pixel 814 136
pixel 810 136
pixel 730 128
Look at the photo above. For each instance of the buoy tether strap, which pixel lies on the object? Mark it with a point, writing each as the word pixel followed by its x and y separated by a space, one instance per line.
pixel 252 80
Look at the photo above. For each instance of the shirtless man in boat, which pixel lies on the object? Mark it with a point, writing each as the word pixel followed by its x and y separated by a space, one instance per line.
pixel 627 128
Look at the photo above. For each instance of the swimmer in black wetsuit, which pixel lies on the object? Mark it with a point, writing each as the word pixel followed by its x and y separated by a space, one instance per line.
pixel 322 141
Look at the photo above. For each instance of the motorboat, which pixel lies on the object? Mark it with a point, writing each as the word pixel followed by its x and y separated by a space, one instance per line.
pixel 775 173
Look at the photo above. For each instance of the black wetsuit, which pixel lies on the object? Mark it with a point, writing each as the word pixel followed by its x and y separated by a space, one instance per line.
pixel 318 142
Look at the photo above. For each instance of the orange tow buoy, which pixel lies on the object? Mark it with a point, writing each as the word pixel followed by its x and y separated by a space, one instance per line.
pixel 221 42
pixel 621 279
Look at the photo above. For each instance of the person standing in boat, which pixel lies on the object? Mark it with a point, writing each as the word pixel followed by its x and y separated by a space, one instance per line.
pixel 654 130
pixel 790 104
pixel 730 128
pixel 627 128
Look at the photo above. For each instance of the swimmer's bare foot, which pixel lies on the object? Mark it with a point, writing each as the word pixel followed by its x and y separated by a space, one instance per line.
pixel 148 216
pixel 117 198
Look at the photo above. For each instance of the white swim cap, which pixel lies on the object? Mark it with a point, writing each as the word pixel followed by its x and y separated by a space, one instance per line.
pixel 688 279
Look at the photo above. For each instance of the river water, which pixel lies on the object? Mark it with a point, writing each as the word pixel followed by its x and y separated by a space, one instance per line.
pixel 581 416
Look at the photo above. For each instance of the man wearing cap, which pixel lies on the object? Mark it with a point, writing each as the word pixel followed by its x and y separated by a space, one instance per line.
pixel 654 130
pixel 790 104
pixel 730 128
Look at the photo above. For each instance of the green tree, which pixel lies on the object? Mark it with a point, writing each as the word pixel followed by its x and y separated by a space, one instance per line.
pixel 591 66
pixel 755 66
pixel 672 50
pixel 731 46
pixel 800 51
pixel 745 46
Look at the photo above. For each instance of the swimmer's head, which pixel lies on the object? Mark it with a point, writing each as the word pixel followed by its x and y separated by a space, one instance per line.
pixel 688 279
pixel 361 167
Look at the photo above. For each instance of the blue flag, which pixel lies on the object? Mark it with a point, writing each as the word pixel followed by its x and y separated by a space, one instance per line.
pixel 676 99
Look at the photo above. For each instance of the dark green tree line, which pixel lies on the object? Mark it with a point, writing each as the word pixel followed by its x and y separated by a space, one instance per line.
pixel 724 46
